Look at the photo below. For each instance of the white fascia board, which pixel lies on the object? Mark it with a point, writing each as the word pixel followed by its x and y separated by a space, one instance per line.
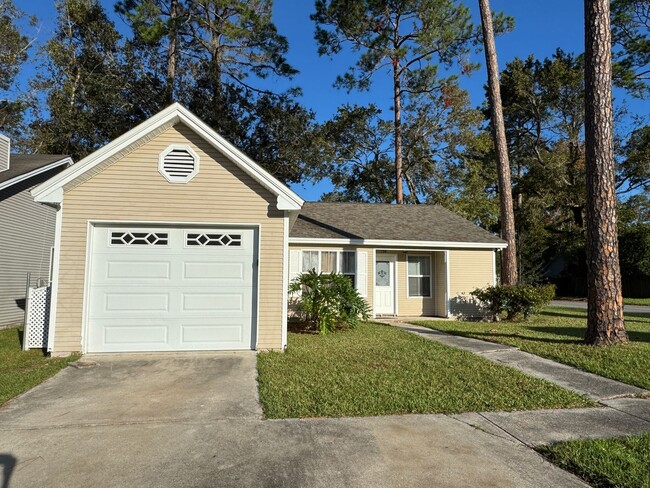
pixel 37 171
pixel 287 199
pixel 399 244
pixel 110 149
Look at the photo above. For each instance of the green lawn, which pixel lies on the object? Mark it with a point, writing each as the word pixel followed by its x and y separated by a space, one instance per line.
pixel 557 334
pixel 22 370
pixel 605 463
pixel 380 370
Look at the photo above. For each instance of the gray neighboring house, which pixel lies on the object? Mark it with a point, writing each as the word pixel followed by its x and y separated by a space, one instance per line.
pixel 26 229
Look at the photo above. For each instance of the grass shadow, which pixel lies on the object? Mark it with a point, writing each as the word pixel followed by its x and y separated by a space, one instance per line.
pixel 578 314
pixel 20 332
pixel 548 340
pixel 21 336
pixel 576 332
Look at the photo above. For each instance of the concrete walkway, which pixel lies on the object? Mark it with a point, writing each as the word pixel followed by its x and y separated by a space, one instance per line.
pixel 624 410
pixel 635 309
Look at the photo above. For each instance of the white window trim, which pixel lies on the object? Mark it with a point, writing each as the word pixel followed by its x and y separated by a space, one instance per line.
pixel 408 290
pixel 339 260
pixel 178 147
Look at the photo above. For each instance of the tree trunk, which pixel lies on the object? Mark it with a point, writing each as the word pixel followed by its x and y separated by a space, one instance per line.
pixel 509 254
pixel 397 99
pixel 605 324
pixel 171 51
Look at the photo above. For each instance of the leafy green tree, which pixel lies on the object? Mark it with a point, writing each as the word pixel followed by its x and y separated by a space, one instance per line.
pixel 633 170
pixel 280 137
pixel 229 46
pixel 634 245
pixel 234 42
pixel 475 195
pixel 353 152
pixel 630 21
pixel 159 27
pixel 544 120
pixel 438 128
pixel 84 81
pixel 409 40
pixel 13 53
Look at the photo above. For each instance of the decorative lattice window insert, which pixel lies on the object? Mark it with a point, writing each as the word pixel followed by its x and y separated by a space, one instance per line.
pixel 120 238
pixel 227 240
pixel 178 164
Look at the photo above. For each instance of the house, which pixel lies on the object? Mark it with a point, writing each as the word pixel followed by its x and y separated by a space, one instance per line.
pixel 169 239
pixel 408 260
pixel 27 230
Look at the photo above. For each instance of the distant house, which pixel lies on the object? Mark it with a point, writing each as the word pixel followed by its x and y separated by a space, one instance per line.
pixel 26 227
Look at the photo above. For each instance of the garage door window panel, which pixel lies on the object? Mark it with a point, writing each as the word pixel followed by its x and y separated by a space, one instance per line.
pixel 134 238
pixel 208 239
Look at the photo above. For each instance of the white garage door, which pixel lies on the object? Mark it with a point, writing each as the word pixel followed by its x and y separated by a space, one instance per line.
pixel 171 289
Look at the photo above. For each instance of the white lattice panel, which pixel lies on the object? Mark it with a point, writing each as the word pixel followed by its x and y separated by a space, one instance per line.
pixel 38 315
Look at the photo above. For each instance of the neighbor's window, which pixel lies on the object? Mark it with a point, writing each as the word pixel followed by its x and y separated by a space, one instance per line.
pixel 419 276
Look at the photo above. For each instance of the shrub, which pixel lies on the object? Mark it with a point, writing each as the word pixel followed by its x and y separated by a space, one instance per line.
pixel 329 302
pixel 514 300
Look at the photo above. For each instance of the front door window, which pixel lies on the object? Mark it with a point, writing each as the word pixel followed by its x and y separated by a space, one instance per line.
pixel 382 273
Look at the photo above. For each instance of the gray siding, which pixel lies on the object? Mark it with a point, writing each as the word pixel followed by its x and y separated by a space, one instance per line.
pixel 26 237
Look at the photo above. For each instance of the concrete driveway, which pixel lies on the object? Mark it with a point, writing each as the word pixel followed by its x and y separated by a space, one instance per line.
pixel 194 421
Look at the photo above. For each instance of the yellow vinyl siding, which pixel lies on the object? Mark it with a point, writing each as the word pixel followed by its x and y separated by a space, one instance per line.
pixel 420 305
pixel 470 269
pixel 416 306
pixel 132 189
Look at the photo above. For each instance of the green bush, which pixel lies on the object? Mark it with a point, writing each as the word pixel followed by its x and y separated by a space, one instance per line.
pixel 329 301
pixel 514 300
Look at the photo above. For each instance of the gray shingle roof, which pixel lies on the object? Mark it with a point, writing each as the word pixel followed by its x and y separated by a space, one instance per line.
pixel 372 221
pixel 20 164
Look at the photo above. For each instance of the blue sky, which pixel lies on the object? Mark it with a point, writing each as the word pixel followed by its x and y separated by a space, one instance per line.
pixel 540 28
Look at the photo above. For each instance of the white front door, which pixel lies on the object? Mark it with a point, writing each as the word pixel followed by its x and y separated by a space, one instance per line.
pixel 171 289
pixel 384 303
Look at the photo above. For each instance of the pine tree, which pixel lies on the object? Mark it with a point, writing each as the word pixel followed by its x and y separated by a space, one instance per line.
pixel 605 323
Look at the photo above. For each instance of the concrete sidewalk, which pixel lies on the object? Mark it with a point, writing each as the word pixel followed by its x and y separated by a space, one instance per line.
pixel 582 305
pixel 194 421
pixel 625 409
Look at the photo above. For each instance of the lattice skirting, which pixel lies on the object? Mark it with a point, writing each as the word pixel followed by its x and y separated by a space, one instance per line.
pixel 37 318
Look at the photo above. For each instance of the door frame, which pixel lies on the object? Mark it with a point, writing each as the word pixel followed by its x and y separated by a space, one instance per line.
pixel 390 257
pixel 90 231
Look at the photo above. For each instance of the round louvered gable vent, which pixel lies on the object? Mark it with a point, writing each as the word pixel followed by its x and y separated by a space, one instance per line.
pixel 178 164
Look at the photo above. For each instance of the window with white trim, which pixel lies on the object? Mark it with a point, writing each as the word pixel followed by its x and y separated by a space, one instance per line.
pixel 349 265
pixel 419 276
pixel 310 261
pixel 343 262
pixel 329 261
